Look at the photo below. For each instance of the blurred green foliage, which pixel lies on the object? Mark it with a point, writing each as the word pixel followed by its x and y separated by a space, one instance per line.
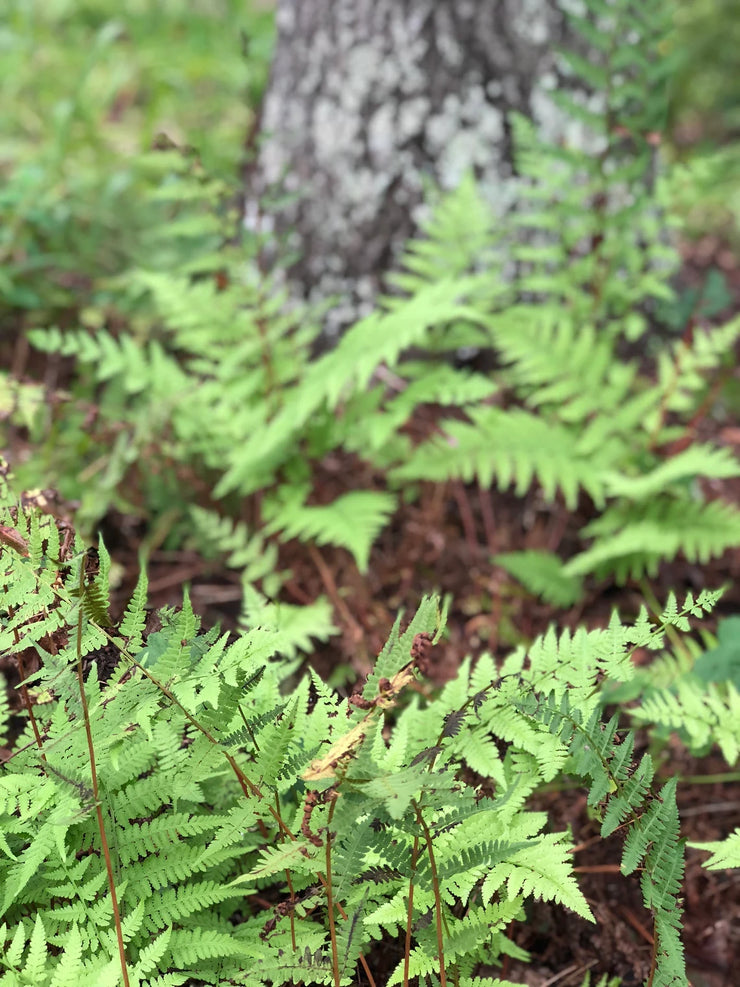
pixel 87 86
pixel 120 184
pixel 705 117
pixel 707 86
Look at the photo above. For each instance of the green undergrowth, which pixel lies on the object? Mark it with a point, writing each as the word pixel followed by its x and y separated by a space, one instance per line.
pixel 184 806
pixel 88 88
pixel 207 414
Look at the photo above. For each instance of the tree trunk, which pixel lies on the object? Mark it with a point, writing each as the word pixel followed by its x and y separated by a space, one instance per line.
pixel 369 101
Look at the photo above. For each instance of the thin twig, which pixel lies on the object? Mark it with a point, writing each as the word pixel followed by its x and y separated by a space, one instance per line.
pixel 331 588
pixel 489 522
pixel 575 968
pixel 466 515
pixel 714 807
pixel 637 925
pixel 598 869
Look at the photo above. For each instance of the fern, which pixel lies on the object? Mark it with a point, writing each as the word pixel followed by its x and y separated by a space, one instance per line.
pixel 134 619
pixel 664 528
pixel 250 553
pixel 217 789
pixel 542 575
pixel 295 627
pixel 526 446
pixel 225 777
pixel 592 421
pixel 724 853
pixel 221 381
pixel 701 716
pixel 352 521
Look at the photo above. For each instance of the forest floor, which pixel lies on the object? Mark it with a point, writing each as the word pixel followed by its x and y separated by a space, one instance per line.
pixel 444 542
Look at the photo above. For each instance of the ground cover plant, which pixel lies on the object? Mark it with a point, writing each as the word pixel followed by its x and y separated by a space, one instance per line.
pixel 171 813
pixel 220 383
pixel 561 380
pixel 90 91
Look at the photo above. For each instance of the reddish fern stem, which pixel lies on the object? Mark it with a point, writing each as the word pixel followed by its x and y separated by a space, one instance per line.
pixel 437 896
pixel 330 901
pixel 410 914
pixel 98 806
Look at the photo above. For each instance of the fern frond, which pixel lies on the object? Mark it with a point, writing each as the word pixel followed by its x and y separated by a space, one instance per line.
pixel 295 855
pixel 352 521
pixel 513 447
pixel 700 716
pixel 295 627
pixel 250 552
pixel 682 371
pixel 134 618
pixel 541 573
pixel 543 869
pixel 696 461
pixel 631 547
pixel 724 853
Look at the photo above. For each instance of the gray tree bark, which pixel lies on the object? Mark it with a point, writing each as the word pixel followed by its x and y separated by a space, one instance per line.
pixel 368 101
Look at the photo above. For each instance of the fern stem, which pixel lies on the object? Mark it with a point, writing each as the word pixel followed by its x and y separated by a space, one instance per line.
pixel 24 689
pixel 96 796
pixel 653 963
pixel 330 901
pixel 673 384
pixel 288 878
pixel 410 914
pixel 27 702
pixel 489 521
pixel 437 896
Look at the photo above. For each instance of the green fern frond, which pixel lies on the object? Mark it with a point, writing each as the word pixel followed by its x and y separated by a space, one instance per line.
pixel 513 447
pixel 460 226
pixel 543 869
pixel 134 618
pixel 631 547
pixel 724 853
pixel 682 371
pixel 352 521
pixel 309 966
pixel 541 573
pixel 296 627
pixel 244 550
pixel 295 855
pixel 694 462
pixel 702 716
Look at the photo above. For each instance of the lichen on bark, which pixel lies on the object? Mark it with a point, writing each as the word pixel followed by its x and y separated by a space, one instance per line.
pixel 370 102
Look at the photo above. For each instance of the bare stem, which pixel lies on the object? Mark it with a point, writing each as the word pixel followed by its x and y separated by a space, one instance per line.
pixel 437 897
pixel 410 914
pixel 98 805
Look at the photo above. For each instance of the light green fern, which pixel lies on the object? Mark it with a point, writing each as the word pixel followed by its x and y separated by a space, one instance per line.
pixel 724 853
pixel 220 787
